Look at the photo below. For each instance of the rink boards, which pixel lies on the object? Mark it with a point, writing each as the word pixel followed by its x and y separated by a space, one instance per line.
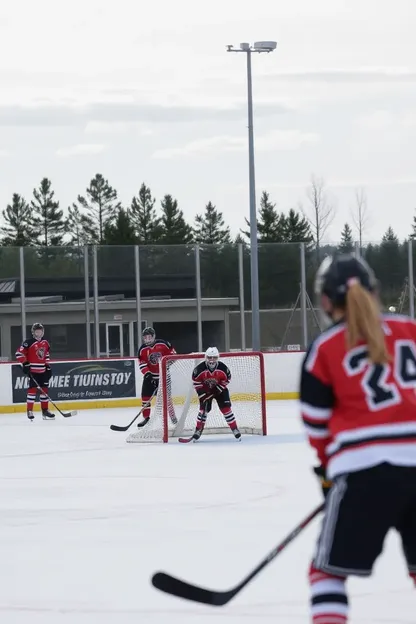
pixel 116 382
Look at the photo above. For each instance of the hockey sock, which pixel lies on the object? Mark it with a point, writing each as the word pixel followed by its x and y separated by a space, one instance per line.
pixel 30 399
pixel 329 601
pixel 43 400
pixel 230 418
pixel 146 410
pixel 413 577
pixel 201 420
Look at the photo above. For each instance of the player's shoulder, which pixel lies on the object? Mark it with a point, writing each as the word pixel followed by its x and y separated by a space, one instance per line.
pixel 199 368
pixel 326 340
pixel 162 342
pixel 142 348
pixel 399 322
pixel 223 367
pixel 28 343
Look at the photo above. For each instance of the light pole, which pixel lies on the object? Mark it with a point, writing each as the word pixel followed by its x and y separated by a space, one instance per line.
pixel 259 47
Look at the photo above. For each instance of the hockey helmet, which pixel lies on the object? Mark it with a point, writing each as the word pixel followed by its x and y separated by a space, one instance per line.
pixel 211 357
pixel 149 335
pixel 38 331
pixel 336 274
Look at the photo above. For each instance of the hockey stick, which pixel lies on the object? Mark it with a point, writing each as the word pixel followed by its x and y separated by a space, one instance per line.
pixel 144 406
pixel 172 585
pixel 64 414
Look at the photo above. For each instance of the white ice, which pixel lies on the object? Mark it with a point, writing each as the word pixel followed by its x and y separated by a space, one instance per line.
pixel 86 519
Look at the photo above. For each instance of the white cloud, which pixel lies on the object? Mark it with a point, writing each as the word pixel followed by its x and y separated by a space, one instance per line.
pixel 3 153
pixel 275 140
pixel 346 75
pixel 81 149
pixel 117 127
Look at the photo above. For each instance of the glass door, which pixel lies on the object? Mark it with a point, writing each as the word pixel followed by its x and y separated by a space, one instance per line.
pixel 114 340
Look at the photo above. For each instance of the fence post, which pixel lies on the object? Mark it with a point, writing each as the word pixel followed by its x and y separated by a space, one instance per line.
pixel 87 301
pixel 241 288
pixel 411 280
pixel 304 315
pixel 22 292
pixel 198 298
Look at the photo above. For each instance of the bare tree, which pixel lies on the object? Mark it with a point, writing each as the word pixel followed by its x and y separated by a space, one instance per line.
pixel 360 214
pixel 320 212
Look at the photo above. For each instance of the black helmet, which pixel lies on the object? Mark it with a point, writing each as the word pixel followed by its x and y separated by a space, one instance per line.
pixel 150 333
pixel 334 275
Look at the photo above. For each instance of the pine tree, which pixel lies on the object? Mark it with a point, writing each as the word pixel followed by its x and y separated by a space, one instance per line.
pixel 47 220
pixel 100 205
pixel 347 242
pixel 17 217
pixel 121 231
pixel 210 228
pixel 297 228
pixel 270 224
pixel 413 233
pixel 389 236
pixel 144 219
pixel 79 227
pixel 175 229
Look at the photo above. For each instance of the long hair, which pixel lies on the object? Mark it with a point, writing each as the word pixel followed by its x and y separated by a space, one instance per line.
pixel 364 322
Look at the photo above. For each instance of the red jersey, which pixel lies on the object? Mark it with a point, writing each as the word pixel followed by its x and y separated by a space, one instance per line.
pixel 205 380
pixel 358 414
pixel 36 352
pixel 150 356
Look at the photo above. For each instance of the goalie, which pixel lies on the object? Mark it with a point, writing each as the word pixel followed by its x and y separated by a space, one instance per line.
pixel 210 379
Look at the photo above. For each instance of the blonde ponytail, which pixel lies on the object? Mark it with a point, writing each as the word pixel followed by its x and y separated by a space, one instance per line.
pixel 364 322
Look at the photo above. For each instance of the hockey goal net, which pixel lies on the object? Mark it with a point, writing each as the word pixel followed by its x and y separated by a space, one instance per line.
pixel 177 400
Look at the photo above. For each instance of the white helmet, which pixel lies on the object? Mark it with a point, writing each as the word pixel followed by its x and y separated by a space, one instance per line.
pixel 211 357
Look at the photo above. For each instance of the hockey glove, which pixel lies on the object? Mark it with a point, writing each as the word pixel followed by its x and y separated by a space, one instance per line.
pixel 325 483
pixel 26 368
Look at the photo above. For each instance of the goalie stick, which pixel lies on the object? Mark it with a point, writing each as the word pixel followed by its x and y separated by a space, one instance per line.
pixel 64 414
pixel 144 406
pixel 172 585
pixel 190 438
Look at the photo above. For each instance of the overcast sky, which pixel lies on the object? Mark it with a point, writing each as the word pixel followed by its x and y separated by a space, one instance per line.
pixel 145 91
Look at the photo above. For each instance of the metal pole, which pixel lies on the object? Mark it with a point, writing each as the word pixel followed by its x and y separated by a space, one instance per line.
pixel 87 301
pixel 411 280
pixel 96 310
pixel 22 293
pixel 357 250
pixel 303 309
pixel 138 295
pixel 255 305
pixel 241 284
pixel 198 298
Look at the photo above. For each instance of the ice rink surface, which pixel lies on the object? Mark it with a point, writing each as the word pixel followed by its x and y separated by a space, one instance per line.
pixel 86 519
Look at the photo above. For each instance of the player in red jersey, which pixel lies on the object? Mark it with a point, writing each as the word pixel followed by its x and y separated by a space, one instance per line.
pixel 150 353
pixel 34 357
pixel 358 402
pixel 211 378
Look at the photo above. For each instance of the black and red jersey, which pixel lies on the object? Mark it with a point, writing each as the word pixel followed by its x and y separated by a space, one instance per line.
pixel 150 356
pixel 358 414
pixel 205 380
pixel 36 352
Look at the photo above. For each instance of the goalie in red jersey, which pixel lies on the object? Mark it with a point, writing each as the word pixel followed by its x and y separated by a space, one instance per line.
pixel 33 356
pixel 210 379
pixel 358 403
pixel 150 353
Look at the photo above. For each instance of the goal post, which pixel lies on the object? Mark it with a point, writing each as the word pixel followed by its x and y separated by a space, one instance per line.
pixel 175 411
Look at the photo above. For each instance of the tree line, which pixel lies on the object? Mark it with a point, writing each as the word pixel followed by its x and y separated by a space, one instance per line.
pixel 98 218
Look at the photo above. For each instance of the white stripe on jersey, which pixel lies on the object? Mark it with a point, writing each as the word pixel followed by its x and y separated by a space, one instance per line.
pixel 366 433
pixel 351 460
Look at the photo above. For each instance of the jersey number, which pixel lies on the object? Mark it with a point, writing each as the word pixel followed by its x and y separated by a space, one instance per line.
pixel 379 392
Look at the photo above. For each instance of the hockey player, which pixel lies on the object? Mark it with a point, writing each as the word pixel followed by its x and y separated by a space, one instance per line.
pixel 358 404
pixel 34 358
pixel 210 379
pixel 150 353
